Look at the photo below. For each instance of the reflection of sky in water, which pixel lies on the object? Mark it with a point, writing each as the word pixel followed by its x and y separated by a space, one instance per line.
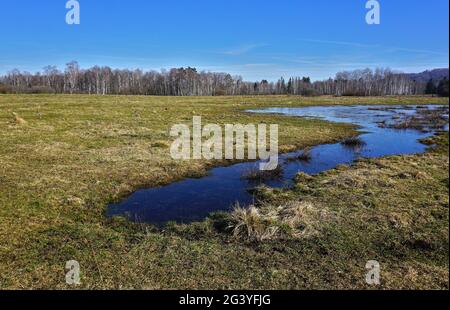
pixel 193 199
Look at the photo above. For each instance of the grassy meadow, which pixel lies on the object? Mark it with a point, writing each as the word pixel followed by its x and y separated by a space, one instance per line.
pixel 64 158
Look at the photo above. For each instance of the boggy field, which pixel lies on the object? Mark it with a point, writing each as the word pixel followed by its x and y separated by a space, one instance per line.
pixel 64 158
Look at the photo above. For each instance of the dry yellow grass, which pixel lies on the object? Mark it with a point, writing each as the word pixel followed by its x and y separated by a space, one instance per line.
pixel 18 120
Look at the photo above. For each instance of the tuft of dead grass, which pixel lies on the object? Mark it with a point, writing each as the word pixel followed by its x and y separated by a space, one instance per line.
pixel 353 142
pixel 248 223
pixel 294 219
pixel 18 120
pixel 161 144
pixel 304 155
pixel 255 174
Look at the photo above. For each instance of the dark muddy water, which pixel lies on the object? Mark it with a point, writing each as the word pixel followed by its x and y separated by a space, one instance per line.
pixel 193 199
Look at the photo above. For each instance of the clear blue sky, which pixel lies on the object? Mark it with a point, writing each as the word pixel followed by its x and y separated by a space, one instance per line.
pixel 254 38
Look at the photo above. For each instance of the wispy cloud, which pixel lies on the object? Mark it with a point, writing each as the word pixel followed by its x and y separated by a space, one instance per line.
pixel 417 51
pixel 240 50
pixel 346 43
pixel 378 46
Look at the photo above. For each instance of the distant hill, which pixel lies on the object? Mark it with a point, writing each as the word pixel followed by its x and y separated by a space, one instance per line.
pixel 436 75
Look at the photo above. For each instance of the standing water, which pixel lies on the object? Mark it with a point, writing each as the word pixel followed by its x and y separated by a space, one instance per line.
pixel 194 199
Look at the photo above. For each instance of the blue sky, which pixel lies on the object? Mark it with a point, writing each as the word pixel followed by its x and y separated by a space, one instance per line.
pixel 253 38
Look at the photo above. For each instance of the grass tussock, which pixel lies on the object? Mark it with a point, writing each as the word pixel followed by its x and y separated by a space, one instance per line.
pixel 294 219
pixel 424 120
pixel 18 120
pixel 248 223
pixel 353 142
pixel 161 144
pixel 304 155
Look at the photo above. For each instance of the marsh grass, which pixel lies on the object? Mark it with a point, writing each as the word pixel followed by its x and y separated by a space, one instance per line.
pixel 248 223
pixel 79 153
pixel 424 120
pixel 304 155
pixel 295 219
pixel 353 142
pixel 256 175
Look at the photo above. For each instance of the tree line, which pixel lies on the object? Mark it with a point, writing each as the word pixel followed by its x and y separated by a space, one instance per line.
pixel 440 88
pixel 189 82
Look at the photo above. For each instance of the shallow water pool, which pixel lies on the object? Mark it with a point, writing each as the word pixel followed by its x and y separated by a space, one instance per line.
pixel 194 199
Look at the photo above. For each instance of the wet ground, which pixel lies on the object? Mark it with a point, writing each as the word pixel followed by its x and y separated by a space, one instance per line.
pixel 384 131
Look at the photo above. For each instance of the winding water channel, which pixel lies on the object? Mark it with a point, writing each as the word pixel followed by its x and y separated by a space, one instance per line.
pixel 193 199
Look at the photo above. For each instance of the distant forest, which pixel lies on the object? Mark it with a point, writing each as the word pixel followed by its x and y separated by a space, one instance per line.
pixel 190 82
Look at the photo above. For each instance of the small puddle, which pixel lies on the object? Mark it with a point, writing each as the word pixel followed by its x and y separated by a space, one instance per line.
pixel 194 199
